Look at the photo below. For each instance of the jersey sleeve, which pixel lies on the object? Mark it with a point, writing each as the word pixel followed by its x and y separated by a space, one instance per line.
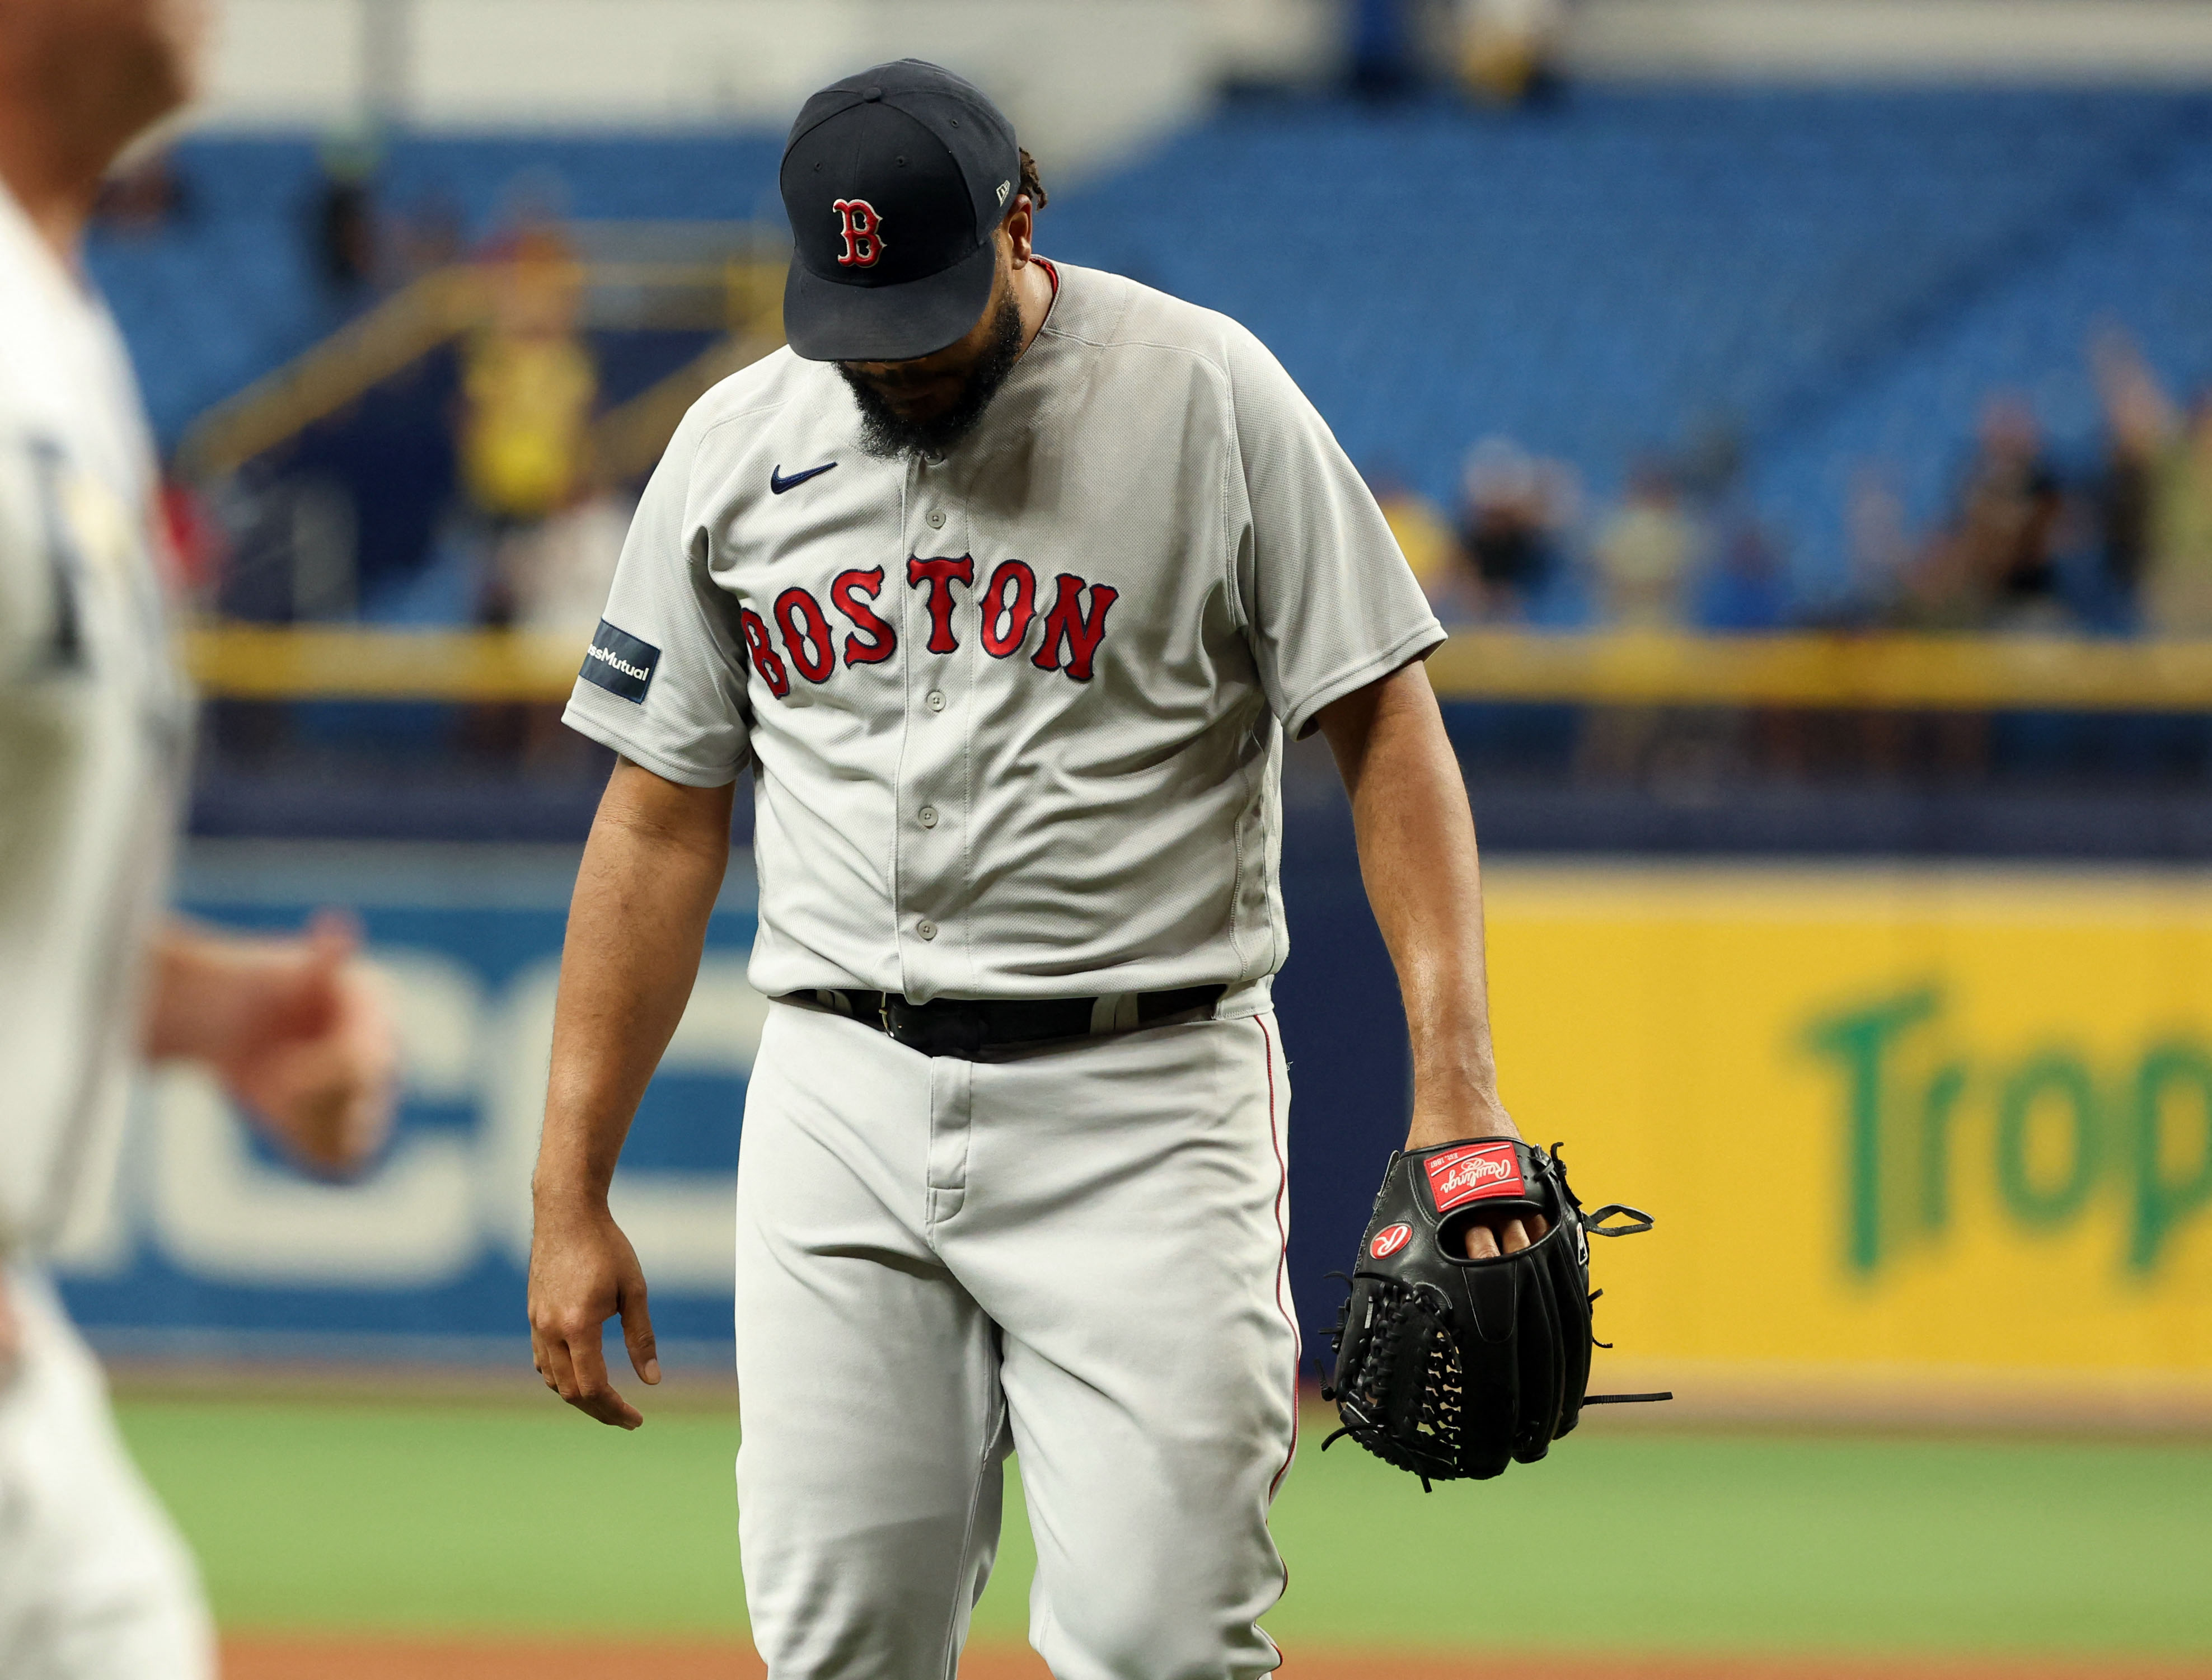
pixel 1330 603
pixel 663 682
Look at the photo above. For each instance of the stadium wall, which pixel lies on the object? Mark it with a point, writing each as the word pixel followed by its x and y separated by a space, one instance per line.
pixel 1920 1140
pixel 2038 41
pixel 1087 81
pixel 1083 80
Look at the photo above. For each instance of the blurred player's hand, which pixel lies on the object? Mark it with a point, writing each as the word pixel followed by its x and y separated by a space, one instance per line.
pixel 317 1059
pixel 1485 1239
pixel 299 1030
pixel 583 1271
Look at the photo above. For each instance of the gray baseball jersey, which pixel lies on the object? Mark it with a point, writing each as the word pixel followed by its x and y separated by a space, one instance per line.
pixel 1016 715
pixel 94 716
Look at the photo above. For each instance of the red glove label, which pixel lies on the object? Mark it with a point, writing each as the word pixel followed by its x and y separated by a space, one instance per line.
pixel 1459 1176
pixel 1390 1239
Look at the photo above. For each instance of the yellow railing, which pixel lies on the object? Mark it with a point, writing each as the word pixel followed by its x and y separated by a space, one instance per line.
pixel 741 298
pixel 1952 673
pixel 409 325
pixel 1897 671
pixel 239 662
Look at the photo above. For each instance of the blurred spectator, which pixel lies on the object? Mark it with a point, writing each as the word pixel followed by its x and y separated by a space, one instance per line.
pixel 343 221
pixel 528 387
pixel 1643 555
pixel 197 542
pixel 1383 47
pixel 1739 582
pixel 1423 536
pixel 2177 584
pixel 1747 591
pixel 1514 510
pixel 1878 546
pixel 427 237
pixel 1994 563
pixel 2123 499
pixel 557 574
pixel 1508 49
pixel 1937 591
pixel 146 198
pixel 2158 492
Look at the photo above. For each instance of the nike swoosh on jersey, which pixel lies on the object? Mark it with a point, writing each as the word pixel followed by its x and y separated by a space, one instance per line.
pixel 778 483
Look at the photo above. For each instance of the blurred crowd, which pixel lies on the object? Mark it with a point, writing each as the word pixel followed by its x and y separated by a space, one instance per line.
pixel 2028 538
pixel 1500 52
pixel 521 520
pixel 521 529
pixel 1680 548
pixel 547 529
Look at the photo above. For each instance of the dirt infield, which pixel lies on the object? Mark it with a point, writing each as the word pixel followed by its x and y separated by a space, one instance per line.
pixel 295 1658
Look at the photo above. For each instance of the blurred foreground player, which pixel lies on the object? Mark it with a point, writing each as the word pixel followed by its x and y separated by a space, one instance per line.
pixel 95 725
pixel 1007 579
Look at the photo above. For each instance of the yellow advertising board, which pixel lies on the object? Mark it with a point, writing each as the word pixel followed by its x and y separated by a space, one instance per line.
pixel 1950 1123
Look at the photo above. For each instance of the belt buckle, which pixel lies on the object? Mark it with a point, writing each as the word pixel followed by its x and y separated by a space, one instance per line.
pixel 955 1032
pixel 903 1023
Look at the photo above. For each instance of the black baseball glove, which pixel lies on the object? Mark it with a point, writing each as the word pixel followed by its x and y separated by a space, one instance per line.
pixel 1453 1367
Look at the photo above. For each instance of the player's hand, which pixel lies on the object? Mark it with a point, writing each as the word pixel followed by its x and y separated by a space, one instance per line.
pixel 1486 1239
pixel 314 1055
pixel 583 1271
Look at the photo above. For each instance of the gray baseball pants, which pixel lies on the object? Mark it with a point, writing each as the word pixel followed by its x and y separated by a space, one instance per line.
pixel 1075 1253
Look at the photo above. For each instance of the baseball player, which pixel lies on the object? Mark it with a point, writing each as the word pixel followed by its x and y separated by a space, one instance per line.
pixel 95 721
pixel 1007 579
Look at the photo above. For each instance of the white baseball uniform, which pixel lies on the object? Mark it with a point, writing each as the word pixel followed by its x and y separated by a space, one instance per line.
pixel 93 722
pixel 1015 719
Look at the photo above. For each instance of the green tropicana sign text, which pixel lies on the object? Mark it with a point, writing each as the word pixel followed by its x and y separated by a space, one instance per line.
pixel 2061 1130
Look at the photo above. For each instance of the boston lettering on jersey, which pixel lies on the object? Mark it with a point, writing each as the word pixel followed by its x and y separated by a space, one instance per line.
pixel 1008 607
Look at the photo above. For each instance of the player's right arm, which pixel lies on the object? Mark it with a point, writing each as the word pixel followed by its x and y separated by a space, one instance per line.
pixel 636 926
pixel 664 685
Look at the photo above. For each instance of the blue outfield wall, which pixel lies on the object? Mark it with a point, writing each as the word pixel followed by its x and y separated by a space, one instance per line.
pixel 213 1247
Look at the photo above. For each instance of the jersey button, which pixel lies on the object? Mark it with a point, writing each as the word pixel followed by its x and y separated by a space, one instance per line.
pixel 927 930
pixel 936 700
pixel 928 815
pixel 937 518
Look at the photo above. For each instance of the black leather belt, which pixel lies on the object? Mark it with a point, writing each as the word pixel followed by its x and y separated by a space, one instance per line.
pixel 965 1027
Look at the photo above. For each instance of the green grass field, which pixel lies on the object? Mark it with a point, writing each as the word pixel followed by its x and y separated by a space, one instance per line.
pixel 410 1519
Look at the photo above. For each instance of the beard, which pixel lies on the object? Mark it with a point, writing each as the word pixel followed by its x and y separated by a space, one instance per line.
pixel 887 434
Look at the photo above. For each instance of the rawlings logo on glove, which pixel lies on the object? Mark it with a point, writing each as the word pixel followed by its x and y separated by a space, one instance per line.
pixel 1467 1173
pixel 1452 1367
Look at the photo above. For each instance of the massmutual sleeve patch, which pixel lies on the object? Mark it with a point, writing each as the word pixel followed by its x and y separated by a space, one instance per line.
pixel 619 663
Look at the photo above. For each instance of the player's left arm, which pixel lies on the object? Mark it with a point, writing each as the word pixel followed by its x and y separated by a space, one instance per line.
pixel 298 1029
pixel 1416 856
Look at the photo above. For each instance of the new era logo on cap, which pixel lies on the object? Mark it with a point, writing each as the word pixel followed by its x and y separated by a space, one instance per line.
pixel 1473 1173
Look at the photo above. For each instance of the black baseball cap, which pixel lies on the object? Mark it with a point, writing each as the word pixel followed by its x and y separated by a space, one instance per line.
pixel 895 181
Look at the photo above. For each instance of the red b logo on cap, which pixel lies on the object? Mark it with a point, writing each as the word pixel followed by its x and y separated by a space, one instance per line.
pixel 863 231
